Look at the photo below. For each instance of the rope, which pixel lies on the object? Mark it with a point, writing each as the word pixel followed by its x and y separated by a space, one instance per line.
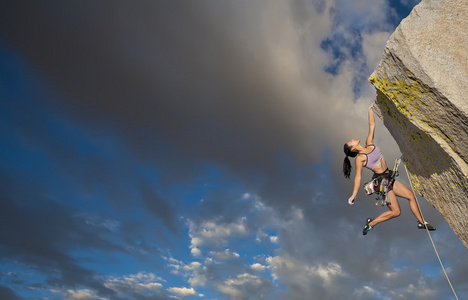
pixel 433 245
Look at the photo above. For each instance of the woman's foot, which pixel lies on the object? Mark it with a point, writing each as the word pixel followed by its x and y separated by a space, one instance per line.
pixel 367 227
pixel 424 225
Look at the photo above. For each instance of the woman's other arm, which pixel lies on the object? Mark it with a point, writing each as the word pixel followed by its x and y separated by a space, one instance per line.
pixel 357 178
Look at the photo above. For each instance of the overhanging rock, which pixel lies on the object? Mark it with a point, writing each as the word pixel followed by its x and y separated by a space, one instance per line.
pixel 422 98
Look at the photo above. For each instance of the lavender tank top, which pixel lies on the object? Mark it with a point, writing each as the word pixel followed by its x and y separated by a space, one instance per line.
pixel 373 158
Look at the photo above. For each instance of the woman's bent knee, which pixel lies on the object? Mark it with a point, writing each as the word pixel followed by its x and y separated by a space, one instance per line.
pixel 395 213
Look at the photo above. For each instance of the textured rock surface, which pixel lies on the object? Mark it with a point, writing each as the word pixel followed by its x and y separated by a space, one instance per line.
pixel 422 98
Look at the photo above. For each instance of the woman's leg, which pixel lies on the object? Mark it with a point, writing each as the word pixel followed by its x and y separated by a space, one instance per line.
pixel 392 212
pixel 402 191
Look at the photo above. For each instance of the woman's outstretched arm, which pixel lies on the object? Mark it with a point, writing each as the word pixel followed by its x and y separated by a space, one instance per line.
pixel 370 136
pixel 357 178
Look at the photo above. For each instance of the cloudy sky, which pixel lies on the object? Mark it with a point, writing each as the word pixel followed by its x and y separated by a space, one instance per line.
pixel 193 150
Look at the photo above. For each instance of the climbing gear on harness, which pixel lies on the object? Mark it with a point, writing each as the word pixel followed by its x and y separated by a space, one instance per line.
pixel 369 186
pixel 367 227
pixel 424 225
pixel 382 184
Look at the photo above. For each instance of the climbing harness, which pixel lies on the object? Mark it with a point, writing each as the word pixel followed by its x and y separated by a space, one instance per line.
pixel 427 229
pixel 382 184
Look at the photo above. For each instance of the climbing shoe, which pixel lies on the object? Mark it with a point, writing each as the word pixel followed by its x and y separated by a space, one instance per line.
pixel 423 226
pixel 367 227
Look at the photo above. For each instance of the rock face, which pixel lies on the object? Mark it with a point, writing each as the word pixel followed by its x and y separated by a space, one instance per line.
pixel 422 98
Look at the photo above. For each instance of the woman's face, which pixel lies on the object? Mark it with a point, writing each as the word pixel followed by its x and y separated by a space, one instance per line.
pixel 353 144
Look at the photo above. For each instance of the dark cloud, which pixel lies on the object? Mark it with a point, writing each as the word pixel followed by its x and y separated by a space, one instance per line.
pixel 168 67
pixel 7 294
pixel 41 234
pixel 161 208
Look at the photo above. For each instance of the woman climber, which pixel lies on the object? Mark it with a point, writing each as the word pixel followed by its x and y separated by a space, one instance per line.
pixel 371 157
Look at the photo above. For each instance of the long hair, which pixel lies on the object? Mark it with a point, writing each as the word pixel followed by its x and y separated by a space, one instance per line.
pixel 347 164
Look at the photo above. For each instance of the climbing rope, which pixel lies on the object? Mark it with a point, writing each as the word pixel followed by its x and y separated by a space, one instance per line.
pixel 433 245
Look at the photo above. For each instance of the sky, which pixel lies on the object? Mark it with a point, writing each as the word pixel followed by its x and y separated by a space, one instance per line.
pixel 193 150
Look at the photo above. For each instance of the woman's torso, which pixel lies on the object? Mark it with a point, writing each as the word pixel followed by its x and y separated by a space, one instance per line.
pixel 374 159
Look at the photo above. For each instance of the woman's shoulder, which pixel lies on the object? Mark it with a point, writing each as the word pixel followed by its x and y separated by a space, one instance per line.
pixel 369 148
pixel 361 160
pixel 361 156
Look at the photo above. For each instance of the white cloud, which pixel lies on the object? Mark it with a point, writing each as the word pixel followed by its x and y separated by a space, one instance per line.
pixel 198 278
pixel 257 267
pixel 196 252
pixel 140 283
pixel 326 272
pixel 225 255
pixel 275 264
pixel 183 292
pixel 295 216
pixel 194 271
pixel 83 294
pixel 195 265
pixel 245 286
pixel 372 47
pixel 291 270
pixel 214 234
pixel 422 290
pixel 365 292
pixel 179 266
pixel 262 236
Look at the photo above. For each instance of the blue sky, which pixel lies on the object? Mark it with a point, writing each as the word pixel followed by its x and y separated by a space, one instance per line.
pixel 192 150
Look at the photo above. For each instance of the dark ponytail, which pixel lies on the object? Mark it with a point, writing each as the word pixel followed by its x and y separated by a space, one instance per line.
pixel 347 164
